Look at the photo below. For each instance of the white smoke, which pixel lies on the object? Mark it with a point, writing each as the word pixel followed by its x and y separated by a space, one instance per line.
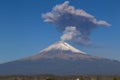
pixel 69 33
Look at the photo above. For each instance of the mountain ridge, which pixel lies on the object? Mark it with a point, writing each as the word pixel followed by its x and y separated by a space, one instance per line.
pixel 61 50
pixel 61 58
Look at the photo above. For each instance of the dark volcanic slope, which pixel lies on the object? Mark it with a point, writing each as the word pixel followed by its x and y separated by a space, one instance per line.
pixel 61 58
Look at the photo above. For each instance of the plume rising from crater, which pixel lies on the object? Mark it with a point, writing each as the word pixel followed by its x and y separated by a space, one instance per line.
pixel 80 23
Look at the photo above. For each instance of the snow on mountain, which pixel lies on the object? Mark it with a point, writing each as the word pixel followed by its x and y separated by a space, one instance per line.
pixel 62 46
pixel 61 50
pixel 62 59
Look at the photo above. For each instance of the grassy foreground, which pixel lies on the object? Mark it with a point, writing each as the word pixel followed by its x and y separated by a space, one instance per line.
pixel 53 77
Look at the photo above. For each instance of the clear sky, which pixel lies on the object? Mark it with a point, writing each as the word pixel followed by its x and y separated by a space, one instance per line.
pixel 24 33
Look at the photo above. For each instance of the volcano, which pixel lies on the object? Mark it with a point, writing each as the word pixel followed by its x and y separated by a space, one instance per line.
pixel 61 58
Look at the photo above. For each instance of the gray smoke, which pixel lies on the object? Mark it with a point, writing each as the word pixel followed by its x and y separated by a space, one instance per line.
pixel 76 24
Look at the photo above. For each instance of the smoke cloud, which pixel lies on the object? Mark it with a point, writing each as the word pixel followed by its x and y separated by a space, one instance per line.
pixel 76 24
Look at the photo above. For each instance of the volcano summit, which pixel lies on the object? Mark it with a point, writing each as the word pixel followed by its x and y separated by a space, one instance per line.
pixel 62 59
pixel 59 50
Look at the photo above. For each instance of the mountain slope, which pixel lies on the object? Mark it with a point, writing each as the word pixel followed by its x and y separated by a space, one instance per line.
pixel 61 58
pixel 61 50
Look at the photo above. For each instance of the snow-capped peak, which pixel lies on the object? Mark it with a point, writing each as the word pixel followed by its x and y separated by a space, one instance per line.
pixel 61 45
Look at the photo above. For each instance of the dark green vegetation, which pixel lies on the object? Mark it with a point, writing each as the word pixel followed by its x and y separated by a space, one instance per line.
pixel 53 77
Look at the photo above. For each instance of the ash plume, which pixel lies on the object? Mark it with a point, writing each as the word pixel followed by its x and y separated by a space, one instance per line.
pixel 75 24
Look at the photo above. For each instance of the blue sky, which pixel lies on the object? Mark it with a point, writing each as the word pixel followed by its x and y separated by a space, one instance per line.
pixel 24 33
